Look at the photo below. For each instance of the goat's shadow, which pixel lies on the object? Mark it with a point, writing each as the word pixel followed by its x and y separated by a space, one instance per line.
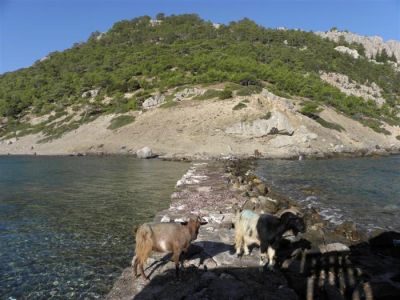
pixel 201 249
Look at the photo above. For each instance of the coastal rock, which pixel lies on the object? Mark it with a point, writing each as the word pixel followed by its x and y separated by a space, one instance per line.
pixel 349 231
pixel 145 152
pixel 262 189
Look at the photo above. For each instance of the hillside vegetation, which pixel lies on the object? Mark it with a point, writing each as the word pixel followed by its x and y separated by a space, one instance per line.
pixel 142 57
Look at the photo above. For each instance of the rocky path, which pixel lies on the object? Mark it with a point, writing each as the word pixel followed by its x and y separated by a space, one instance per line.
pixel 324 263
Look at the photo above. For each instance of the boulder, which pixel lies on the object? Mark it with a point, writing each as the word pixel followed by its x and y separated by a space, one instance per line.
pixel 145 152
pixel 262 189
pixel 349 231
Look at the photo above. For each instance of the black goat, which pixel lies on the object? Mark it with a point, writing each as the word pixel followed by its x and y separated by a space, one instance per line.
pixel 270 230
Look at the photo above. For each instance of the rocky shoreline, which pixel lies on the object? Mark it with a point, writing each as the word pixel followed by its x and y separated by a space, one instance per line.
pixel 378 151
pixel 326 262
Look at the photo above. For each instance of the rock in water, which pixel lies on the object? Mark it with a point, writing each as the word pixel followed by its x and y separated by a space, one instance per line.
pixel 145 152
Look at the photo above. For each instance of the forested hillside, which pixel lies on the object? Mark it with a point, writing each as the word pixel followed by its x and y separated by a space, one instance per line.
pixel 142 57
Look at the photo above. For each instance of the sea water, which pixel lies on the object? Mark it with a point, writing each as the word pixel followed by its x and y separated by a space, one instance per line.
pixel 66 222
pixel 364 190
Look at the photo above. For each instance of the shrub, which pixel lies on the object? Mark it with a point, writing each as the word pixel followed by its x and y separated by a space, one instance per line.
pixel 209 94
pixel 329 125
pixel 249 90
pixel 267 116
pixel 225 94
pixel 240 105
pixel 310 109
pixel 120 121
pixel 375 125
pixel 168 104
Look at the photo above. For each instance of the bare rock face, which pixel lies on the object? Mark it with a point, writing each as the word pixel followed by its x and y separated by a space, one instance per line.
pixel 153 101
pixel 349 87
pixel 352 52
pixel 286 103
pixel 277 124
pixel 372 44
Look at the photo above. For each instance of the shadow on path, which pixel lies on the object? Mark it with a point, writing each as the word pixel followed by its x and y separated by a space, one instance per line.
pixel 370 270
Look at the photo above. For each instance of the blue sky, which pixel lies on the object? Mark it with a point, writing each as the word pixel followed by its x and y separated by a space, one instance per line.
pixel 30 29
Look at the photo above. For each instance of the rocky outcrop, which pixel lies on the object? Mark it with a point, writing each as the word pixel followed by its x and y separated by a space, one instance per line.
pixel 372 44
pixel 188 93
pixel 153 101
pixel 283 102
pixel 278 123
pixel 372 92
pixel 145 152
pixel 351 52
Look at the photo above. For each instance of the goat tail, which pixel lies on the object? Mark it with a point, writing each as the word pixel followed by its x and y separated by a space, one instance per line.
pixel 144 243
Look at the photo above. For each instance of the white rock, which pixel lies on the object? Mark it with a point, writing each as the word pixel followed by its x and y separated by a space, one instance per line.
pixel 145 152
pixel 153 101
pixel 165 219
pixel 351 52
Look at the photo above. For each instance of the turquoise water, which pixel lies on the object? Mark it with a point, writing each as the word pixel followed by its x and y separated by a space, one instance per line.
pixel 364 190
pixel 66 222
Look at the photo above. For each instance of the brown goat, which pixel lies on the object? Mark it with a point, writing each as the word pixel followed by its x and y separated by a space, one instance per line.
pixel 165 237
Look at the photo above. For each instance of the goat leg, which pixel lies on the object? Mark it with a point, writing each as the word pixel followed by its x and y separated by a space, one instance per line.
pixel 175 258
pixel 271 257
pixel 135 265
pixel 142 273
pixel 182 258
